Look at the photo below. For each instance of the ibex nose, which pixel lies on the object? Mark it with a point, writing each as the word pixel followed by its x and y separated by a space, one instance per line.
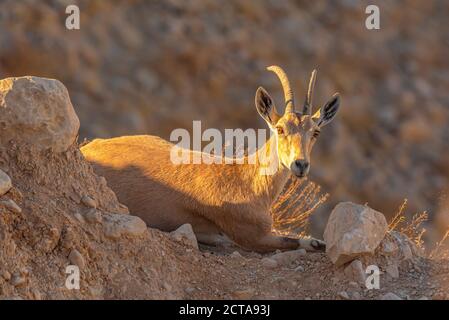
pixel 301 166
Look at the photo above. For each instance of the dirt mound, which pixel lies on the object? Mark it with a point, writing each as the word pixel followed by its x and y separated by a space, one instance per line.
pixel 55 221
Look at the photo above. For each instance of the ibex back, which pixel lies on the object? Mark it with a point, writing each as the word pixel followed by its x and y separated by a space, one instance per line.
pixel 217 199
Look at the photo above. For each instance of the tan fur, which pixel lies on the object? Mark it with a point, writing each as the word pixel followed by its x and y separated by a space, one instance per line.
pixel 230 198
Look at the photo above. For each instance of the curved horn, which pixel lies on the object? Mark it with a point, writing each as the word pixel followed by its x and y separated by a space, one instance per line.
pixel 307 109
pixel 288 93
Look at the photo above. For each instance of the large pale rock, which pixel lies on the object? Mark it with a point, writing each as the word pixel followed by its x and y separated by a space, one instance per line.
pixel 37 111
pixel 5 183
pixel 185 235
pixel 353 230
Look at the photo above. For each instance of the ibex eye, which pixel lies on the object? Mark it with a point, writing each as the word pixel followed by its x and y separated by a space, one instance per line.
pixel 280 130
pixel 316 134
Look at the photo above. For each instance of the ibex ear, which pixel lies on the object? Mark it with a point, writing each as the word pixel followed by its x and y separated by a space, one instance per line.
pixel 327 112
pixel 265 106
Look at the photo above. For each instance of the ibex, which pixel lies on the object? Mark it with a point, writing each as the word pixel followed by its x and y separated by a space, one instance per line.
pixel 218 200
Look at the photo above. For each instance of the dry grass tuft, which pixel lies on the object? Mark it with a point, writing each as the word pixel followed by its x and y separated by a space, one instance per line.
pixel 413 228
pixel 441 249
pixel 399 217
pixel 297 202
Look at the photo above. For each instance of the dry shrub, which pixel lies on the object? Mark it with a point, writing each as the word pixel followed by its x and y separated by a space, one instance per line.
pixel 297 202
pixel 413 228
pixel 399 217
pixel 441 249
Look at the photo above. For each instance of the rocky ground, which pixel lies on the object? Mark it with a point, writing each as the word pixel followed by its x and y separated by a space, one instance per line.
pixel 55 212
pixel 139 66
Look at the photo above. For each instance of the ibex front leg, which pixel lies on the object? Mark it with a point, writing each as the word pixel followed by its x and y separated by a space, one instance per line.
pixel 271 242
pixel 258 237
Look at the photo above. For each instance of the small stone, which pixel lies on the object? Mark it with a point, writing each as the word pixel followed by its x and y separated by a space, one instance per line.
pixel 18 280
pixel 79 217
pixel 423 298
pixel 354 285
pixel 89 202
pixel 343 295
pixel 438 296
pixel 407 247
pixel 392 270
pixel 5 183
pixel 356 296
pixel 77 259
pixel 93 216
pixel 236 254
pixel 355 272
pixel 388 247
pixel 287 257
pixel 299 269
pixel 185 235
pixel 406 252
pixel 189 290
pixel 269 263
pixel 35 294
pixel 11 205
pixel 6 275
pixel 11 298
pixel 390 296
pixel 96 291
pixel 68 238
pixel 10 247
pixel 167 286
pixel 119 225
pixel 245 294
pixel 24 271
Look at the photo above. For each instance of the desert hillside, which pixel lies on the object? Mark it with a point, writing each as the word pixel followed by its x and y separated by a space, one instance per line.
pixel 150 67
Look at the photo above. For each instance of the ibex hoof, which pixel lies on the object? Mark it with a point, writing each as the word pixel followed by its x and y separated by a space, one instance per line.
pixel 312 244
pixel 318 245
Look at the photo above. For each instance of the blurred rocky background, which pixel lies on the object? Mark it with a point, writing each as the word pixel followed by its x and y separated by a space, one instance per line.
pixel 139 66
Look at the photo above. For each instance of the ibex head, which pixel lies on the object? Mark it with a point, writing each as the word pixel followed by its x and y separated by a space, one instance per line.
pixel 296 132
